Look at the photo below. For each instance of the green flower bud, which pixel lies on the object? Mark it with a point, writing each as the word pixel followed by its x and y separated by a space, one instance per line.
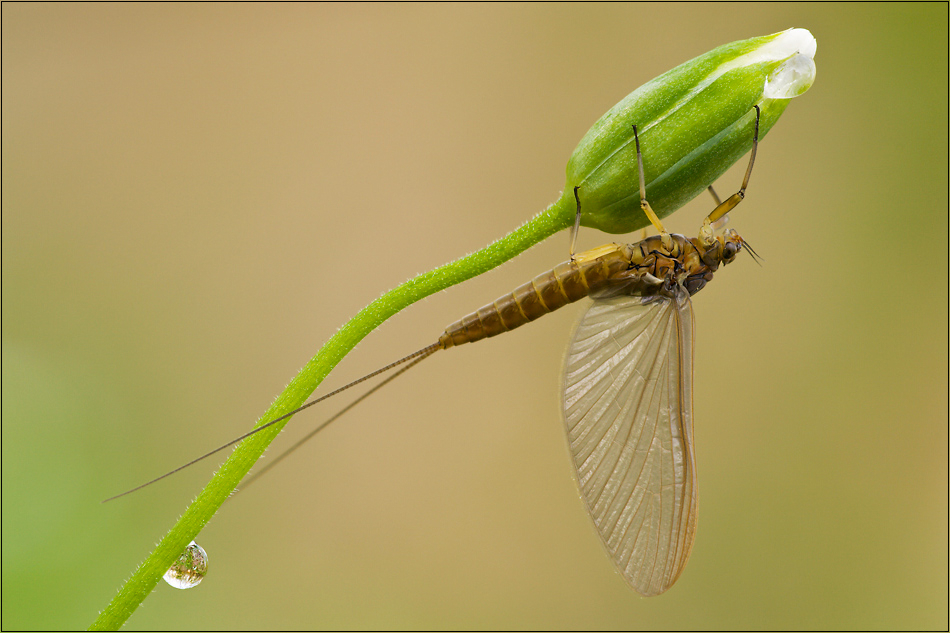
pixel 694 122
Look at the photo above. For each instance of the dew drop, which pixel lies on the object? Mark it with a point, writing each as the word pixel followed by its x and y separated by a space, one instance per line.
pixel 189 569
pixel 791 79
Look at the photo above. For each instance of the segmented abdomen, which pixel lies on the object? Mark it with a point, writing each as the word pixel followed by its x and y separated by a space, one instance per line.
pixel 566 283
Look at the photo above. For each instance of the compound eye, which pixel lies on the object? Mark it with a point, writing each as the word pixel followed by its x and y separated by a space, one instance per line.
pixel 730 249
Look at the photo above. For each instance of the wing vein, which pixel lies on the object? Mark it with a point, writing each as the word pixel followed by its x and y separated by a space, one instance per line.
pixel 628 414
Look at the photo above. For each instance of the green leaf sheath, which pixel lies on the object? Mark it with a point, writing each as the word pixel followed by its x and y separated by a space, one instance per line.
pixel 558 216
pixel 694 122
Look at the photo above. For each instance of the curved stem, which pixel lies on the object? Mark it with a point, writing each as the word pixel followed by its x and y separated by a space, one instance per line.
pixel 558 216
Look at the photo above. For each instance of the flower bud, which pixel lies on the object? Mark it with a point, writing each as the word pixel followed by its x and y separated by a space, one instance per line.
pixel 694 122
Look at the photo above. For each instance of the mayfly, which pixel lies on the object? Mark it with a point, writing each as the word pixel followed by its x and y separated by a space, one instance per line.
pixel 627 390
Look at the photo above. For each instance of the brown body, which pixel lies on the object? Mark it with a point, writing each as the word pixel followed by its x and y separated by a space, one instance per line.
pixel 637 269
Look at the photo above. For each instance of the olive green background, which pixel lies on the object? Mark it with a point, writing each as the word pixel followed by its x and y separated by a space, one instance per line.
pixel 196 197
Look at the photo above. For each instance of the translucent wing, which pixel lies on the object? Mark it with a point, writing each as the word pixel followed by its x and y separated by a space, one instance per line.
pixel 628 407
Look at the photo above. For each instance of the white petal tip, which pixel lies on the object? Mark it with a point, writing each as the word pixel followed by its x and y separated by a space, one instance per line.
pixel 799 41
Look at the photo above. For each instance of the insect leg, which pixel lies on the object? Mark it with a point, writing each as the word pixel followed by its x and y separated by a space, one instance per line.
pixel 725 207
pixel 577 223
pixel 724 220
pixel 644 204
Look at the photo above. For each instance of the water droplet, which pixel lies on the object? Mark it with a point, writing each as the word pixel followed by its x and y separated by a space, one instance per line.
pixel 189 569
pixel 792 79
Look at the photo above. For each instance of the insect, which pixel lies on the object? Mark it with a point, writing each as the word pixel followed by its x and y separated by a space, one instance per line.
pixel 627 385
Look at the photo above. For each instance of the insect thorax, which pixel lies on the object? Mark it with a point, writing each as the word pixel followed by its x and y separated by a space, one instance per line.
pixel 680 261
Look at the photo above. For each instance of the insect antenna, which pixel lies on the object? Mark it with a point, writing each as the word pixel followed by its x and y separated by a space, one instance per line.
pixel 758 259
pixel 425 352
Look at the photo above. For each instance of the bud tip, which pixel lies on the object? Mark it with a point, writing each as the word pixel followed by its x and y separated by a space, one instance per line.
pixel 796 75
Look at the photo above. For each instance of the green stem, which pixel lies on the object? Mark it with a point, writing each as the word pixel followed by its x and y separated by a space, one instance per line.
pixel 558 216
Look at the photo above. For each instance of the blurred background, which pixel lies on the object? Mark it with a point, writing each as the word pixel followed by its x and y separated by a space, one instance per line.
pixel 195 197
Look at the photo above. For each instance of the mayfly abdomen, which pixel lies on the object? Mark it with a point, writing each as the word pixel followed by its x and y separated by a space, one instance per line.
pixel 566 283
